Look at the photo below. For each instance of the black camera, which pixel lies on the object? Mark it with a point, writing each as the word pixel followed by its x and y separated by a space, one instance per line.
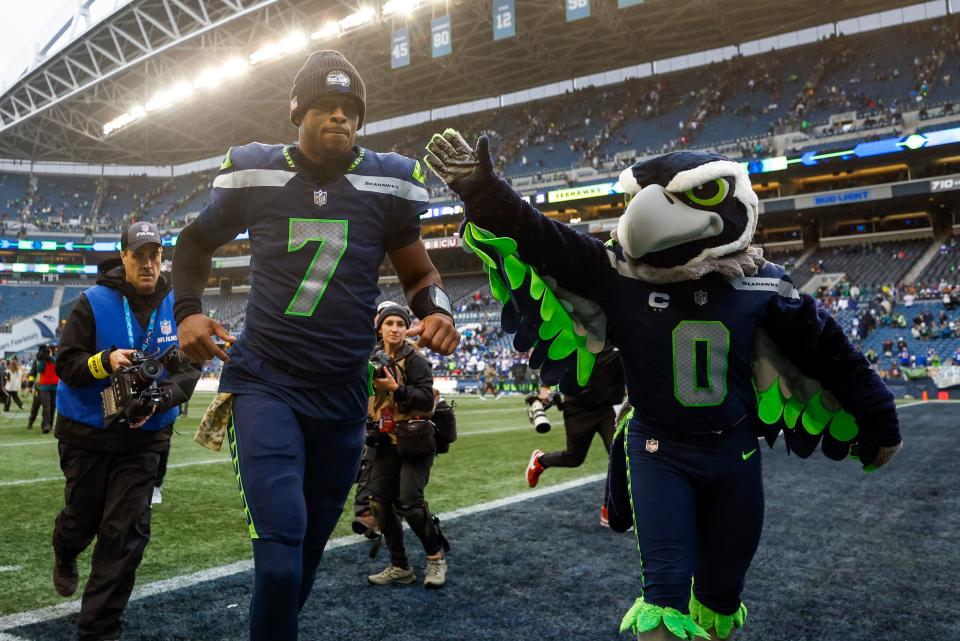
pixel 134 393
pixel 537 410
pixel 381 360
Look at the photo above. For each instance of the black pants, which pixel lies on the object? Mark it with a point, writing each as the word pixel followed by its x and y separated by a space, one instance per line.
pixel 361 500
pixel 15 397
pixel 580 427
pixel 162 465
pixel 397 483
pixel 107 496
pixel 47 400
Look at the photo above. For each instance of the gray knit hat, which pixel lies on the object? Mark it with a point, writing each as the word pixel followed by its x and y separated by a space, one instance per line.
pixel 325 73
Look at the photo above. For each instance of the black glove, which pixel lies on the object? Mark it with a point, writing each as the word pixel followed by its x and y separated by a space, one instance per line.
pixel 458 165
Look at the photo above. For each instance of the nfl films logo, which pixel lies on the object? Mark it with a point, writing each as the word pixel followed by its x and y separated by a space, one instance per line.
pixel 319 198
pixel 700 297
pixel 166 327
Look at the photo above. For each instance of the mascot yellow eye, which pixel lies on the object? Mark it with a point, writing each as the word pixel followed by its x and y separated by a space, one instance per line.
pixel 709 193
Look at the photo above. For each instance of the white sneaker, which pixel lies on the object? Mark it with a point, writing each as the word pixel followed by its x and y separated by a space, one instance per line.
pixel 157 497
pixel 436 574
pixel 393 574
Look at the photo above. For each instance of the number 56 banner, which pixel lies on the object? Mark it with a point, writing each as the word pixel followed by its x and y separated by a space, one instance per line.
pixel 577 9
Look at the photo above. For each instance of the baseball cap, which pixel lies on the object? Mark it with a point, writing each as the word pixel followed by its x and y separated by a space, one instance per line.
pixel 138 235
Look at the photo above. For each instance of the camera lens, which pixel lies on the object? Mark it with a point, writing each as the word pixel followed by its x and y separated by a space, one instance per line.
pixel 150 369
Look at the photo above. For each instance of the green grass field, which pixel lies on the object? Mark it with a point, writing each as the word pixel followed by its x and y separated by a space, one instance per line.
pixel 200 524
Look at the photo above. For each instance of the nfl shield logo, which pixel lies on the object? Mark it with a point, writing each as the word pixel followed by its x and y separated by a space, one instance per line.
pixel 145 227
pixel 652 445
pixel 700 297
pixel 319 198
pixel 166 327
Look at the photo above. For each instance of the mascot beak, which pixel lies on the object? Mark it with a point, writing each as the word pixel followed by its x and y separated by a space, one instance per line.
pixel 656 220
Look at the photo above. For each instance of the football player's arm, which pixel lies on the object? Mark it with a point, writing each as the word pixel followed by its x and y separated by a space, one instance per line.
pixel 417 275
pixel 810 337
pixel 577 261
pixel 192 262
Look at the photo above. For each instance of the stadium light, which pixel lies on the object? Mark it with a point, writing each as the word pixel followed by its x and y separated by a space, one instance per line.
pixel 363 16
pixel 327 31
pixel 403 7
pixel 178 92
pixel 214 77
pixel 124 119
pixel 272 51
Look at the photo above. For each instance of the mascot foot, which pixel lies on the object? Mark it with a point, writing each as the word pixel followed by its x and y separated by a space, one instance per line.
pixel 722 627
pixel 651 622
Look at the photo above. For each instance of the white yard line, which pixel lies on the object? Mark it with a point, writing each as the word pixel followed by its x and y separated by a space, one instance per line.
pixel 32 617
pixel 45 479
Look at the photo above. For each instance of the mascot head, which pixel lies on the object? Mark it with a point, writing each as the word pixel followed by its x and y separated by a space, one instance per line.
pixel 687 208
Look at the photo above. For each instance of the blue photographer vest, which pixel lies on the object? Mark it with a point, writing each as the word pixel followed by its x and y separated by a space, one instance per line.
pixel 82 404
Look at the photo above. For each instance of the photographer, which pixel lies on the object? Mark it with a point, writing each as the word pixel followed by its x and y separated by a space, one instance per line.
pixel 13 384
pixel 585 414
pixel 110 465
pixel 405 449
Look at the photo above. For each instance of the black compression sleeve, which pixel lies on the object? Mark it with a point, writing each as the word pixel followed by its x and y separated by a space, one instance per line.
pixel 192 264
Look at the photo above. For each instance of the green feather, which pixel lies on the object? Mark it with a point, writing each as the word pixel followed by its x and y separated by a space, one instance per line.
pixel 770 405
pixel 815 416
pixel 792 412
pixel 843 427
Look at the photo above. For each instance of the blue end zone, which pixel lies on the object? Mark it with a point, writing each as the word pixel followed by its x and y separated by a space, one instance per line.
pixel 845 556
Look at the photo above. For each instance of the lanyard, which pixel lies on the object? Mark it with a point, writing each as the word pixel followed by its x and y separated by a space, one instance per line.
pixel 146 339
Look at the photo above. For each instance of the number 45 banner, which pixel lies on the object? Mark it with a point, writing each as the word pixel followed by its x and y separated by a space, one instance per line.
pixel 399 48
pixel 577 9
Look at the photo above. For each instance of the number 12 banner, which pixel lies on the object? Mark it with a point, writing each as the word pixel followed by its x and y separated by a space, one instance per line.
pixel 504 19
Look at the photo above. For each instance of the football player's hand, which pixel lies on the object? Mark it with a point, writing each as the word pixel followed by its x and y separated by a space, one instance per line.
pixel 456 163
pixel 194 334
pixel 437 332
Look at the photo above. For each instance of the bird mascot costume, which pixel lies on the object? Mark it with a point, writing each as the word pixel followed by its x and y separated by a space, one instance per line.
pixel 718 348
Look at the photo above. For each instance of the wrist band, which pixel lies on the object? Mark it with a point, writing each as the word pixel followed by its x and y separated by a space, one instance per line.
pixel 95 365
pixel 431 300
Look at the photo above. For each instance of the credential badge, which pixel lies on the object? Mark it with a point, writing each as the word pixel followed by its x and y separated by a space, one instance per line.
pixel 653 445
pixel 319 198
pixel 700 297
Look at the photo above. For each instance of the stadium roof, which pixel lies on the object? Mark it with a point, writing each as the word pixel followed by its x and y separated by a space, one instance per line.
pixel 58 111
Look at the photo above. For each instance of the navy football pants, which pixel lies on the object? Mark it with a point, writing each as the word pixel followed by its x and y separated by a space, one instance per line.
pixel 698 510
pixel 294 473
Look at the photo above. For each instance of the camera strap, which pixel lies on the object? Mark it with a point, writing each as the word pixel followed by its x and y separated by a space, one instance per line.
pixel 129 316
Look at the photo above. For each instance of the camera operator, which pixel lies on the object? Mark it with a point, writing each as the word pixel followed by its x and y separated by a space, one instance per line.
pixel 585 414
pixel 405 450
pixel 110 466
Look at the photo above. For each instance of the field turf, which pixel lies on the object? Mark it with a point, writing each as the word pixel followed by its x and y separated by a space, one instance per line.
pixel 846 556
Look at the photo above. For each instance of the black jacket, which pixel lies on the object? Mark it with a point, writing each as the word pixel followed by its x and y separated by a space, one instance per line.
pixel 78 344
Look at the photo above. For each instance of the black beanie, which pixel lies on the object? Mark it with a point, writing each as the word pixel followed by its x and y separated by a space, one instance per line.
pixel 392 310
pixel 324 73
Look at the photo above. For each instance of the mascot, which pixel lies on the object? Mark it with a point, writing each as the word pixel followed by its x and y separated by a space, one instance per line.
pixel 718 347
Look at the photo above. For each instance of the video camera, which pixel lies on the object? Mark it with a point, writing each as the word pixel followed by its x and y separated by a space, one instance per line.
pixel 537 410
pixel 134 393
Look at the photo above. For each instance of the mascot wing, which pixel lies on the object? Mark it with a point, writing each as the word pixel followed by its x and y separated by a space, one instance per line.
pixel 798 406
pixel 565 331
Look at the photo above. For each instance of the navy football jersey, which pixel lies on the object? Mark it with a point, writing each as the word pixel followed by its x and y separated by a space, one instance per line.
pixel 687 346
pixel 316 250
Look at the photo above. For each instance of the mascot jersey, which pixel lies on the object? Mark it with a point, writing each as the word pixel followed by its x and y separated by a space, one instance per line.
pixel 683 296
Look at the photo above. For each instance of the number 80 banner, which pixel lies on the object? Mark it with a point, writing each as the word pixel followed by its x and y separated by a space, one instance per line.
pixel 440 36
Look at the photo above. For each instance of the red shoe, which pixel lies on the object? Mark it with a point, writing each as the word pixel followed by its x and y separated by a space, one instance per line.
pixel 604 516
pixel 534 468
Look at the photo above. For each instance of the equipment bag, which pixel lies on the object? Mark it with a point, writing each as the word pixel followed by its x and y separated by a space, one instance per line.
pixel 415 438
